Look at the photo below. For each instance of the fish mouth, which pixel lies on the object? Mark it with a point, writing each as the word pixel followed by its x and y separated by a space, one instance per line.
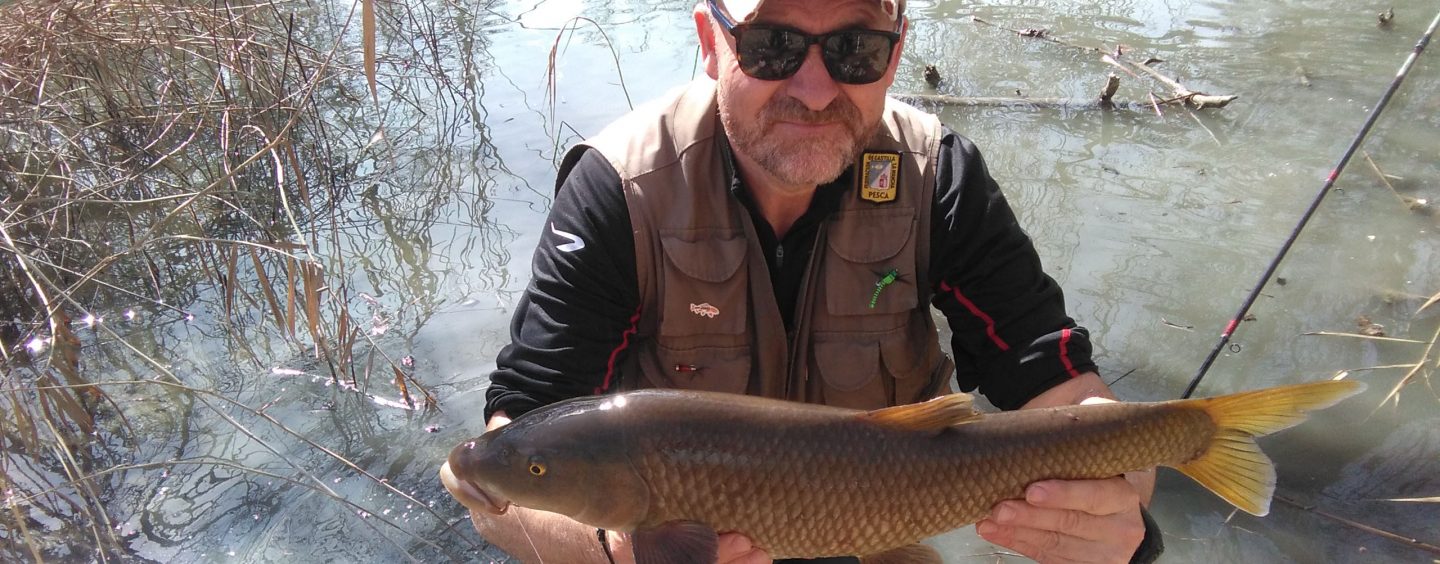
pixel 470 495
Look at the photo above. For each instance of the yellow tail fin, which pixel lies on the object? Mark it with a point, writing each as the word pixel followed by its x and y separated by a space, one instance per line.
pixel 1233 466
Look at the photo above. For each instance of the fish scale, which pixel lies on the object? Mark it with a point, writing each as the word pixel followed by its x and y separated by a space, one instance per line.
pixel 840 486
pixel 675 467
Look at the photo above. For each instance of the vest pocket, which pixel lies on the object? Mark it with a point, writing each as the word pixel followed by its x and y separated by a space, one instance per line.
pixel 704 284
pixel 711 369
pixel 871 264
pixel 871 371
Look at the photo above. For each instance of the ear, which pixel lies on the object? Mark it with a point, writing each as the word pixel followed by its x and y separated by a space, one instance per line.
pixel 900 45
pixel 705 31
pixel 899 48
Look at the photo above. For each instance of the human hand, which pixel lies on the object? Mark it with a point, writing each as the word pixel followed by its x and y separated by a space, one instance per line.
pixel 736 548
pixel 733 548
pixel 1063 521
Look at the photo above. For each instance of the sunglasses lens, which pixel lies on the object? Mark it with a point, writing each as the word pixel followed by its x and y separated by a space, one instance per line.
pixel 852 57
pixel 857 57
pixel 770 54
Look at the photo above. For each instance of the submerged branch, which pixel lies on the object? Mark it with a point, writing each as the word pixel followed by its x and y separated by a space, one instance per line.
pixel 1178 92
pixel 1407 541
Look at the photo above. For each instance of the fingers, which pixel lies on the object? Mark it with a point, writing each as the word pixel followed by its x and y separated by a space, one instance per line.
pixel 1096 497
pixel 1045 547
pixel 1069 521
pixel 736 548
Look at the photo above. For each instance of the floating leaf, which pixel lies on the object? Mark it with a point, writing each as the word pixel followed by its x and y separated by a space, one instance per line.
pixel 404 390
pixel 1369 328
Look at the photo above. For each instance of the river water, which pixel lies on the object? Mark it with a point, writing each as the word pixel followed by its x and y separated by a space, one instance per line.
pixel 1156 226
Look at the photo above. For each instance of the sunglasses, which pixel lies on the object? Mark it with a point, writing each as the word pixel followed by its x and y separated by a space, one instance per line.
pixel 768 52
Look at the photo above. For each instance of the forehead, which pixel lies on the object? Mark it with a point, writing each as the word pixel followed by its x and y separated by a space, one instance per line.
pixel 814 15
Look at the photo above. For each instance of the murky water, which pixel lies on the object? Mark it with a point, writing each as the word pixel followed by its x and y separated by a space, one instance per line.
pixel 1157 226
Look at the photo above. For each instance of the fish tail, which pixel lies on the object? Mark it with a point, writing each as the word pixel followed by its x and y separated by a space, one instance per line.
pixel 1232 465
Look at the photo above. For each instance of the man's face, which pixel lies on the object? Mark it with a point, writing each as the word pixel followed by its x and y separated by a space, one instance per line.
pixel 806 129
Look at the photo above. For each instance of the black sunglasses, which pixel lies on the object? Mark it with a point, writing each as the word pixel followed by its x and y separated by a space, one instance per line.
pixel 767 52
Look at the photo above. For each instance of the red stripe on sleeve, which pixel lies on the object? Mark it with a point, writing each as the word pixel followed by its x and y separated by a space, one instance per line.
pixel 1065 353
pixel 615 354
pixel 989 323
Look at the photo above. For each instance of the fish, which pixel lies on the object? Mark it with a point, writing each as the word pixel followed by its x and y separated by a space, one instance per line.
pixel 675 468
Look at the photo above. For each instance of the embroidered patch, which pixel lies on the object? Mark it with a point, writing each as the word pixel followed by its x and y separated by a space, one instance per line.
pixel 879 177
pixel 705 310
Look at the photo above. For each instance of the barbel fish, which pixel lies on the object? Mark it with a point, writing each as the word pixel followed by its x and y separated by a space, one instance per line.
pixel 674 467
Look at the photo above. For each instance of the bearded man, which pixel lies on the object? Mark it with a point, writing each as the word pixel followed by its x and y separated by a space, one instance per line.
pixel 782 228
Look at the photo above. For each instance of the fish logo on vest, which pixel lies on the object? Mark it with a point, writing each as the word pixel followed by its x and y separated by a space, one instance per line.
pixel 879 177
pixel 705 310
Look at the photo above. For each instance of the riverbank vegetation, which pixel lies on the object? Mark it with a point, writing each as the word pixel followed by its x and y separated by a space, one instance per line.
pixel 150 153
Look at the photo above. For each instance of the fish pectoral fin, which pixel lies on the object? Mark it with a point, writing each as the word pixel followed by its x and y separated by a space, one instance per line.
pixel 677 542
pixel 909 554
pixel 933 415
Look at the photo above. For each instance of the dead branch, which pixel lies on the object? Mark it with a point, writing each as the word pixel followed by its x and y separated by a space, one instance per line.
pixel 1018 102
pixel 1197 100
pixel 1190 98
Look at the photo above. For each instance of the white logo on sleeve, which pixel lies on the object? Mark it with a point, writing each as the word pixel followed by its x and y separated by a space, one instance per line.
pixel 575 243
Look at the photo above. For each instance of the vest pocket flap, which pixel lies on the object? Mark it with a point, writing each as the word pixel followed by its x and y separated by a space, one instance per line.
pixel 901 360
pixel 709 369
pixel 710 260
pixel 847 366
pixel 871 235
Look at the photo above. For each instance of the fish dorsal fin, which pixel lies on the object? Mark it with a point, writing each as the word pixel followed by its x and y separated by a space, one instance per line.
pixel 933 415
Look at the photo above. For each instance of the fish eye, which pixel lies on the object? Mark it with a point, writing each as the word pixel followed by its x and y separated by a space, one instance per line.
pixel 537 467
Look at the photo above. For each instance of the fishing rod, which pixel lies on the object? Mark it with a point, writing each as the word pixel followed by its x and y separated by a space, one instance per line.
pixel 1314 205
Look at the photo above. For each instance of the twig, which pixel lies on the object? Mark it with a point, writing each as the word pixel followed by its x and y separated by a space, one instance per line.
pixel 1359 336
pixel 1407 541
pixel 1185 327
pixel 1410 203
pixel 1419 365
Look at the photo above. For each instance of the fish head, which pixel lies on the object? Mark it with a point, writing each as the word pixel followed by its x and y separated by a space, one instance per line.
pixel 567 458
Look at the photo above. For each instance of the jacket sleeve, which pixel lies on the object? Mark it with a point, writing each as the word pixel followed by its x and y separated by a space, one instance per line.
pixel 1012 338
pixel 571 326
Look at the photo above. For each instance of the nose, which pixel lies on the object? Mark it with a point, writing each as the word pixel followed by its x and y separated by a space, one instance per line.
pixel 812 84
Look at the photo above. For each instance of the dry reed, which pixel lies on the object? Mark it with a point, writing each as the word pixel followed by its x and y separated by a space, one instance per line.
pixel 149 150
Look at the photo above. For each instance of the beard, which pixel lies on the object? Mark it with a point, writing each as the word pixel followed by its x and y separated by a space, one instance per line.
pixel 794 159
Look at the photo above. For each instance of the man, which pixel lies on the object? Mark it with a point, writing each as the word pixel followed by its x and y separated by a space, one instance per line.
pixel 782 231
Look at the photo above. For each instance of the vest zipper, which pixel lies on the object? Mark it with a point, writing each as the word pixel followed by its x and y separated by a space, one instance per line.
pixel 779 256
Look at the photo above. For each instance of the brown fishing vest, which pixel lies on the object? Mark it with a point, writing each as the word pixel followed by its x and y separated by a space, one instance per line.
pixel 863 337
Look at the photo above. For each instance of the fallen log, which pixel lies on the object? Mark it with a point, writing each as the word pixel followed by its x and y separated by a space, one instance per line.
pixel 1020 102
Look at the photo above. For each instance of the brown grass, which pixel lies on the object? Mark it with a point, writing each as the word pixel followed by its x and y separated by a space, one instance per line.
pixel 148 150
